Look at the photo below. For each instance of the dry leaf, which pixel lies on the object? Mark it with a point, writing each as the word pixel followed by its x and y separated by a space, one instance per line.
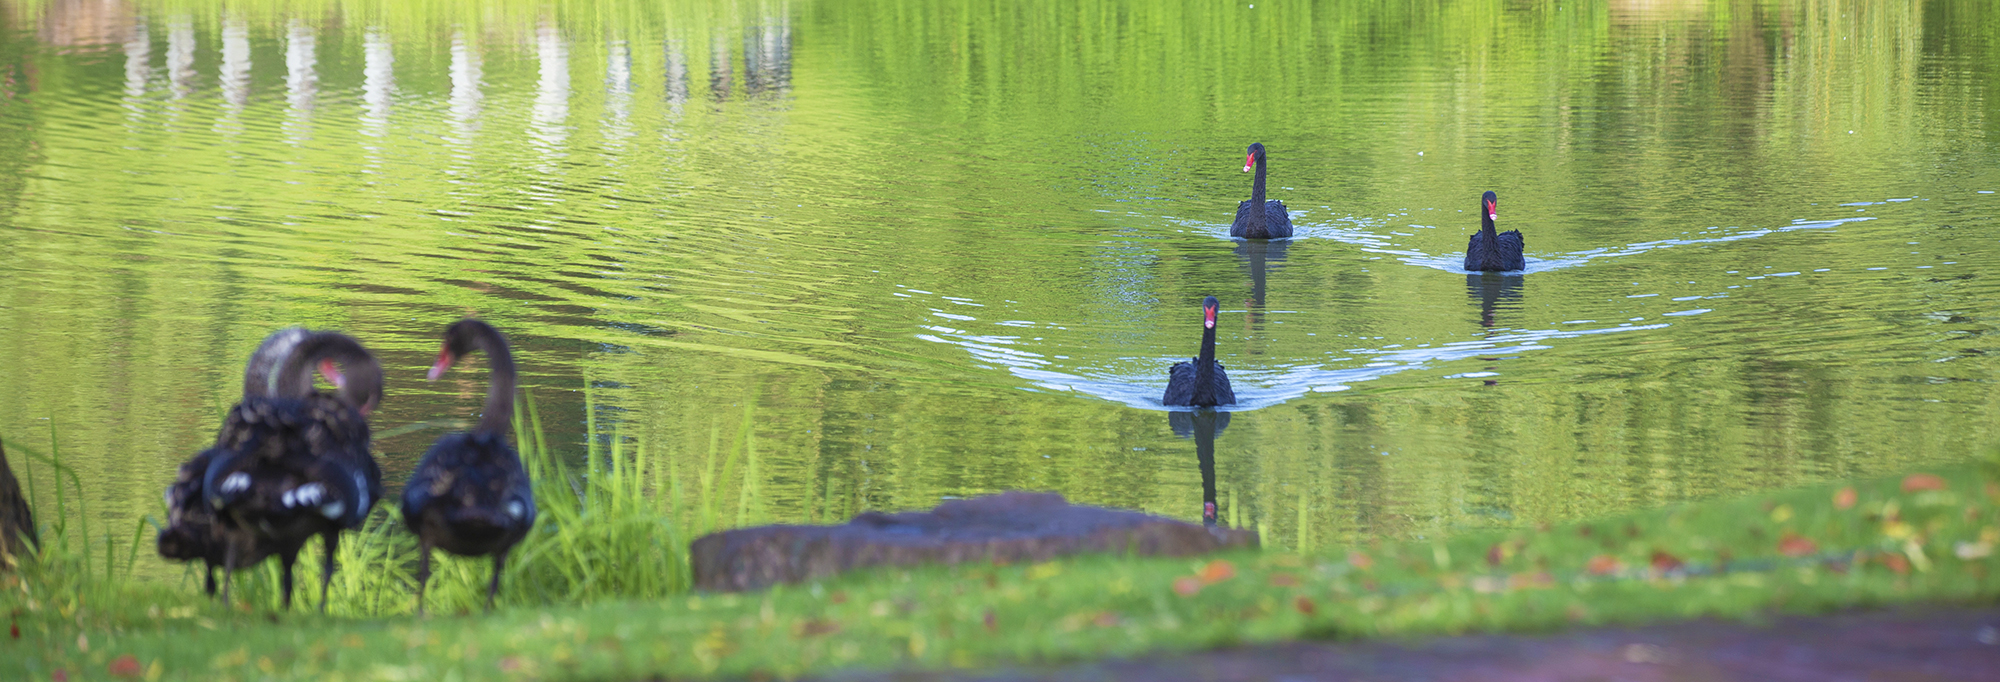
pixel 510 664
pixel 1664 562
pixel 1497 554
pixel 1795 545
pixel 1284 580
pixel 1105 620
pixel 1921 482
pixel 1845 498
pixel 1359 560
pixel 125 666
pixel 1601 564
pixel 814 627
pixel 992 623
pixel 1217 571
pixel 1304 606
pixel 1897 563
pixel 1187 587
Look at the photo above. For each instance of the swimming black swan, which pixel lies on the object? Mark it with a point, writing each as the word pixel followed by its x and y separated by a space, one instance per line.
pixel 1257 218
pixel 1493 252
pixel 191 533
pixel 1200 382
pixel 470 495
pixel 297 464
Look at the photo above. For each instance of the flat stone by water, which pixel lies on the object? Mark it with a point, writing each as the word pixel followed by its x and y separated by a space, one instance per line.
pixel 1009 527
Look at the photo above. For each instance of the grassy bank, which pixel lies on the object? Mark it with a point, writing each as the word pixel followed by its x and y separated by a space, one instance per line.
pixel 1924 536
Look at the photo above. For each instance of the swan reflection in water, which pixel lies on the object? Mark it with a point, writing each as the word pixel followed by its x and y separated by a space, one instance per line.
pixel 1260 256
pixel 1493 291
pixel 1203 426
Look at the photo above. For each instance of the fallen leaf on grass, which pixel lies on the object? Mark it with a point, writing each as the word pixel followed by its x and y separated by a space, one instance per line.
pixel 510 664
pixel 1664 562
pixel 1496 554
pixel 1921 482
pixel 1217 571
pixel 1284 580
pixel 125 666
pixel 1187 586
pixel 1304 606
pixel 1897 563
pixel 1845 498
pixel 814 627
pixel 1795 545
pixel 1781 514
pixel 990 622
pixel 1359 560
pixel 1601 564
pixel 1105 620
pixel 60 675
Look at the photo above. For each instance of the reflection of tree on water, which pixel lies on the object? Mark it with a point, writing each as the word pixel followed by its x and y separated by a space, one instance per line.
pixel 1260 256
pixel 1203 426
pixel 767 56
pixel 1491 290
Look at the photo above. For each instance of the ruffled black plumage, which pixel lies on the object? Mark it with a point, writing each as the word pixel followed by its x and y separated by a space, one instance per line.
pixel 1257 218
pixel 470 496
pixel 297 464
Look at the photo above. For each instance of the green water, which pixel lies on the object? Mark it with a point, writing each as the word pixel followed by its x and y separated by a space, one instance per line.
pixel 892 252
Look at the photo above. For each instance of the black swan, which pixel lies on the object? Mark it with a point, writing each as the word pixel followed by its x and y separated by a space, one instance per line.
pixel 191 533
pixel 470 495
pixel 1487 251
pixel 17 521
pixel 1257 218
pixel 1200 382
pixel 297 464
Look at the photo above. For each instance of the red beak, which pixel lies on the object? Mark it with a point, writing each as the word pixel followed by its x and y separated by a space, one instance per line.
pixel 1208 318
pixel 443 363
pixel 332 374
pixel 1492 211
pixel 1249 161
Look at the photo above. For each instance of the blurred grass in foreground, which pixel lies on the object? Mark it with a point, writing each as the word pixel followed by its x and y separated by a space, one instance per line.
pixel 1926 536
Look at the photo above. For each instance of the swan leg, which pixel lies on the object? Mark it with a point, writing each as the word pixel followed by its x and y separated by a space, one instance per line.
pixel 493 588
pixel 423 572
pixel 228 570
pixel 326 567
pixel 289 557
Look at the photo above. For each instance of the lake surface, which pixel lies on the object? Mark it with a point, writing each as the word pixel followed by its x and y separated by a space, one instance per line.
pixel 837 256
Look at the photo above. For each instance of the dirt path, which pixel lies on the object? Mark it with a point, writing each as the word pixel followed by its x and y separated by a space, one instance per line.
pixel 1907 644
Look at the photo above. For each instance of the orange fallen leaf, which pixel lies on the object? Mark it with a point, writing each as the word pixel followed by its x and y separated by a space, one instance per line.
pixel 1664 562
pixel 1284 580
pixel 1921 482
pixel 1795 545
pixel 1496 554
pixel 1845 498
pixel 1897 563
pixel 1359 560
pixel 60 675
pixel 126 666
pixel 815 627
pixel 1217 571
pixel 839 597
pixel 1601 564
pixel 1304 606
pixel 1187 586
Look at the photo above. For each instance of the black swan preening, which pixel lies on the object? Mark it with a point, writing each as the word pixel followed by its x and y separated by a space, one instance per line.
pixel 1257 218
pixel 191 533
pixel 1200 382
pixel 469 495
pixel 297 464
pixel 1488 251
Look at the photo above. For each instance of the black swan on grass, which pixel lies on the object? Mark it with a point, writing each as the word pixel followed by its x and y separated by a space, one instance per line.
pixel 191 533
pixel 297 463
pixel 1490 252
pixel 1257 218
pixel 1200 382
pixel 469 495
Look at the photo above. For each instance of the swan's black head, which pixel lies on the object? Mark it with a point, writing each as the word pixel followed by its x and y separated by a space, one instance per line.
pixel 1256 152
pixel 1490 203
pixel 461 338
pixel 1208 306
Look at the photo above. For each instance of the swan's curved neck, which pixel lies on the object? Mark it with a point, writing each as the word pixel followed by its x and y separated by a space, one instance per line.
pixel 1257 195
pixel 500 380
pixel 1207 350
pixel 1485 221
